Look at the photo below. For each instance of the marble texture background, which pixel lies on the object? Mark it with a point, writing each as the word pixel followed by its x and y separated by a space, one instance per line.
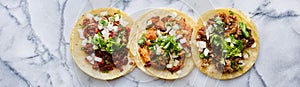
pixel 34 43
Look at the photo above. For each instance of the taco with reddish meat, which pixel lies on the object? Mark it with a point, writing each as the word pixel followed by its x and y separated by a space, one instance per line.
pixel 99 43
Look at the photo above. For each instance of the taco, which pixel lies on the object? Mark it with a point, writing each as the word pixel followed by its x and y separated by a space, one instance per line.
pixel 99 43
pixel 226 44
pixel 162 43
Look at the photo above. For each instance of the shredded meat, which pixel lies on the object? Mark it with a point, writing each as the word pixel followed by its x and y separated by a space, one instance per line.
pixel 230 27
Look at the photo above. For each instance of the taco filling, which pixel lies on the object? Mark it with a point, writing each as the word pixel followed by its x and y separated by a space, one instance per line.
pixel 104 38
pixel 165 44
pixel 222 42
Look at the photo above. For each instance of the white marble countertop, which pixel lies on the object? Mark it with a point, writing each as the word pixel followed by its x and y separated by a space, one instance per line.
pixel 34 43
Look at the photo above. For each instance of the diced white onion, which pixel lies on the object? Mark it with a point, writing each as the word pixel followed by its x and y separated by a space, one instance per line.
pixel 115 28
pixel 105 33
pixel 178 72
pixel 176 27
pixel 228 39
pixel 96 18
pixel 174 14
pixel 253 45
pixel 245 55
pixel 110 26
pixel 176 62
pixel 117 17
pixel 169 65
pixel 89 58
pixel 231 45
pixel 182 41
pixel 206 51
pixel 172 32
pixel 98 59
pixel 179 45
pixel 208 31
pixel 239 55
pixel 158 50
pixel 201 44
pixel 123 23
pixel 178 36
pixel 80 31
pixel 174 55
pixel 149 22
pixel 168 28
pixel 100 26
pixel 89 16
pixel 84 41
pixel 95 47
pixel 241 62
pixel 158 32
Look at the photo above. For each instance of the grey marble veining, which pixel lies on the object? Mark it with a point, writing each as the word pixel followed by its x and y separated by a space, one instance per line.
pixel 34 43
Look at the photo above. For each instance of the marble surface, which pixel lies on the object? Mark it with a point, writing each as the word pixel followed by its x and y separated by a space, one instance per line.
pixel 34 43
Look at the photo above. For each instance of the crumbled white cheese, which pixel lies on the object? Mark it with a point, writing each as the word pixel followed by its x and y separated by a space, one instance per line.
pixel 174 14
pixel 123 23
pixel 227 39
pixel 176 27
pixel 182 41
pixel 176 62
pixel 169 65
pixel 206 51
pixel 253 45
pixel 149 22
pixel 201 44
pixel 80 31
pixel 84 41
pixel 98 59
pixel 103 13
pixel 89 16
pixel 178 36
pixel 245 55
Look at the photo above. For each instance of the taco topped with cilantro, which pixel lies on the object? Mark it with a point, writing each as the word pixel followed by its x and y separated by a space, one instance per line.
pixel 162 43
pixel 99 43
pixel 226 46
